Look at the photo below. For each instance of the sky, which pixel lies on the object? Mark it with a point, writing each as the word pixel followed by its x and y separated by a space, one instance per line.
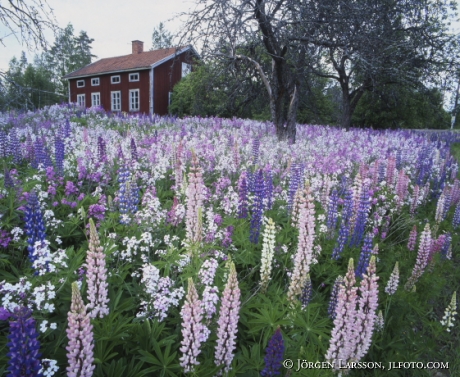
pixel 112 24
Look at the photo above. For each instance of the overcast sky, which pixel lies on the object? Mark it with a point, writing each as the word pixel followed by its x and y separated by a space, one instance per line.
pixel 112 24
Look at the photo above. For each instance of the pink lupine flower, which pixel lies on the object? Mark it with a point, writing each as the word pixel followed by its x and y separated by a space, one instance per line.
pixel 422 258
pixel 80 333
pixel 193 331
pixel 412 238
pixel 305 253
pixel 194 201
pixel 228 320
pixel 342 336
pixel 393 282
pixel 96 275
pixel 415 199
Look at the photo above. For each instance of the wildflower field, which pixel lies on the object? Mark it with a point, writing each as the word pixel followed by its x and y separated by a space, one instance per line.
pixel 146 246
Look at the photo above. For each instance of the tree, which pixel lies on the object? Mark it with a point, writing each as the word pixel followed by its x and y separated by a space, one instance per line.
pixel 68 54
pixel 161 38
pixel 256 31
pixel 369 44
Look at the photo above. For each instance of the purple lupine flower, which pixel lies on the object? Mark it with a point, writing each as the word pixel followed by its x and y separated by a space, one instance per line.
pixel 15 147
pixel 96 275
pixel 195 200
pixel 128 194
pixel 8 180
pixel 80 333
pixel 294 184
pixel 243 197
pixel 365 256
pixel 306 292
pixel 101 149
pixel 334 296
pixel 24 347
pixel 274 355
pixel 412 238
pixel 134 154
pixel 255 151
pixel 257 209
pixel 456 218
pixel 3 144
pixel 193 331
pixel 59 155
pixel 227 324
pixel 447 246
pixel 422 257
pixel 344 232
pixel 35 225
pixel 4 314
pixel 227 240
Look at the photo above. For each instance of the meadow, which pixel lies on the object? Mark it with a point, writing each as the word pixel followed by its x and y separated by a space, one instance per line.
pixel 147 246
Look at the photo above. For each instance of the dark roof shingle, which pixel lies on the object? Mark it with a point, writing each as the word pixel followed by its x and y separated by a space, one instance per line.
pixel 125 62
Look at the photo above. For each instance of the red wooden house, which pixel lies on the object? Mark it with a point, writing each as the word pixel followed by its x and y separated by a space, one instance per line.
pixel 141 82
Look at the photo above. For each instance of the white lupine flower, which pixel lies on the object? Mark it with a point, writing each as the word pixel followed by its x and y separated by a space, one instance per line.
pixel 450 313
pixel 268 251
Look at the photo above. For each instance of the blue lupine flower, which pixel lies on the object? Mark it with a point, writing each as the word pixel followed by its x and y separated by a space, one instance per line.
pixel 128 194
pixel 15 147
pixel 243 198
pixel 446 246
pixel 258 208
pixel 23 344
pixel 3 144
pixel 255 151
pixel 294 184
pixel 361 217
pixel 342 239
pixel 456 219
pixel 334 297
pixel 274 355
pixel 307 291
pixel 35 226
pixel 101 149
pixel 134 154
pixel 59 154
pixel 365 256
pixel 332 215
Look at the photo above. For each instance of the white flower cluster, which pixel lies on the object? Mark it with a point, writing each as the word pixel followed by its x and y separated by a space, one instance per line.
pixel 44 326
pixel 43 296
pixel 48 367
pixel 17 233
pixel 161 295
pixel 14 294
pixel 133 245
pixel 42 263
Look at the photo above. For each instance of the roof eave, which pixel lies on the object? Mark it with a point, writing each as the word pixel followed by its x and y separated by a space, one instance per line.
pixel 106 73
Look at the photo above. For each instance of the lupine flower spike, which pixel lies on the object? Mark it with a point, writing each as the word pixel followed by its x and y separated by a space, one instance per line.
pixel 393 282
pixel 450 313
pixel 96 275
pixel 268 250
pixel 80 333
pixel 228 321
pixel 274 355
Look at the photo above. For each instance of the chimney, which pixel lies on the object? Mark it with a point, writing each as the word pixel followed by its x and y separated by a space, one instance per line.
pixel 138 47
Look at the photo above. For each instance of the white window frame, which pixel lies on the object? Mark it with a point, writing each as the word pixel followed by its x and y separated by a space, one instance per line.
pixel 186 69
pixel 131 98
pixel 95 81
pixel 115 103
pixel 80 83
pixel 134 77
pixel 81 100
pixel 98 101
pixel 112 78
pixel 170 94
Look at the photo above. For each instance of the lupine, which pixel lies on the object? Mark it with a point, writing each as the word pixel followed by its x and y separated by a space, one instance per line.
pixel 134 155
pixel 101 149
pixel 331 310
pixel 15 147
pixel 23 344
pixel 274 355
pixel 393 282
pixel 59 154
pixel 96 275
pixel 361 217
pixel 255 151
pixel 343 337
pixel 268 251
pixel 258 208
pixel 422 258
pixel 415 199
pixel 304 254
pixel 456 218
pixel 3 144
pixel 450 313
pixel 194 201
pixel 364 256
pixel 380 322
pixel 440 209
pixel 193 331
pixel 306 292
pixel 294 184
pixel 227 324
pixel 366 314
pixel 80 353
pixel 412 238
pixel 447 246
pixel 35 225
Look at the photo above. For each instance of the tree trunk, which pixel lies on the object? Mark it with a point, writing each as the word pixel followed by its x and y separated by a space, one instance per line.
pixel 349 102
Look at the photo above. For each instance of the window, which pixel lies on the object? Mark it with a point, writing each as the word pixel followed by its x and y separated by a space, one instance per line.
pixel 95 99
pixel 95 81
pixel 134 77
pixel 80 83
pixel 116 101
pixel 134 100
pixel 186 69
pixel 115 79
pixel 81 100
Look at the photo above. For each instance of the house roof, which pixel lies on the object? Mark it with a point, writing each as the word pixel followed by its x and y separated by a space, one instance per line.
pixel 129 62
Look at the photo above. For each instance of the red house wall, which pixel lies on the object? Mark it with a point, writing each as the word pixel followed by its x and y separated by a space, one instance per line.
pixel 166 76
